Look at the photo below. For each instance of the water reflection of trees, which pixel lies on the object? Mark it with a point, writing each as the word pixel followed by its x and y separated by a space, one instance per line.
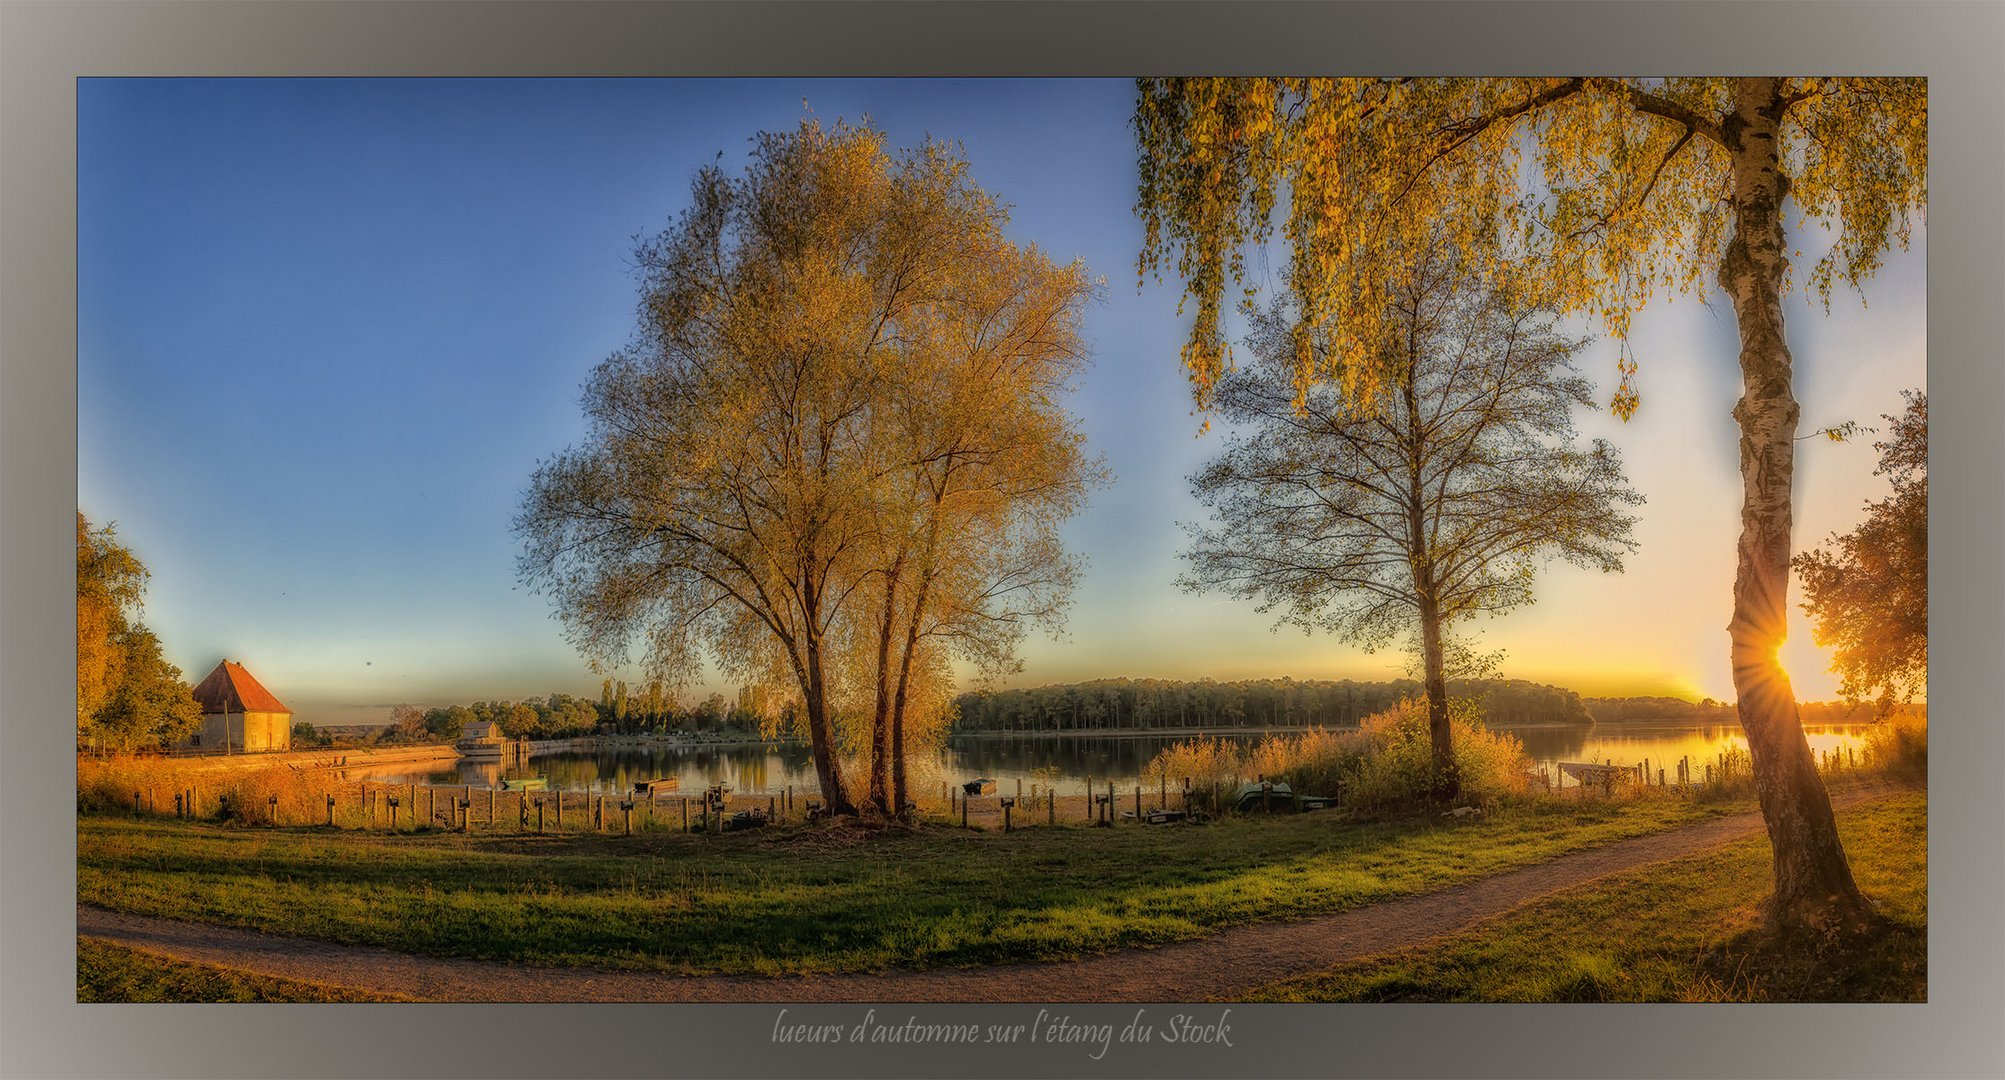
pixel 1040 761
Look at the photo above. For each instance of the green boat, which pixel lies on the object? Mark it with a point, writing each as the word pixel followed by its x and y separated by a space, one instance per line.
pixel 527 783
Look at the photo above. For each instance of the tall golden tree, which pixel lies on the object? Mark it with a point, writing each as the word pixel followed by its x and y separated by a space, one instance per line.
pixel 818 337
pixel 1593 194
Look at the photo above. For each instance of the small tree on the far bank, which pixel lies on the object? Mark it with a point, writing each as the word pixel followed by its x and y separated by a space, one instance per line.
pixel 1433 502
pixel 1867 591
pixel 407 724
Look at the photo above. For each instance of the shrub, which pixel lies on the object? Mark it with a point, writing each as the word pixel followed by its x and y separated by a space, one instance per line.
pixel 1388 761
pixel 1397 763
pixel 1204 762
pixel 1899 744
pixel 1313 762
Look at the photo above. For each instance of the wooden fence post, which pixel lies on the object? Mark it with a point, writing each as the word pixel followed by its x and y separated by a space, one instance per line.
pixel 330 811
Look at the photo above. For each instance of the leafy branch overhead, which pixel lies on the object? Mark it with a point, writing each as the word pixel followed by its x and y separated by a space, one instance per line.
pixel 1595 195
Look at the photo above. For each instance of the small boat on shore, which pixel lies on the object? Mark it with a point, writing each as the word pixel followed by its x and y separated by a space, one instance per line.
pixel 526 783
pixel 650 787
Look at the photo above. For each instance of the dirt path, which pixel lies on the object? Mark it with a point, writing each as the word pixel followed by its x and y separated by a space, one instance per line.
pixel 1225 965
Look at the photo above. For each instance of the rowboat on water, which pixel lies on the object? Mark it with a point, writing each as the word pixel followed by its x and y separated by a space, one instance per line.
pixel 527 783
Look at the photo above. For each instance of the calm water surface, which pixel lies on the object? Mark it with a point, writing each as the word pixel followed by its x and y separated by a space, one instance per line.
pixel 1069 764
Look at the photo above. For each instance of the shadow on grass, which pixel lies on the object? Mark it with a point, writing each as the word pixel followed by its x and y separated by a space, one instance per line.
pixel 1884 960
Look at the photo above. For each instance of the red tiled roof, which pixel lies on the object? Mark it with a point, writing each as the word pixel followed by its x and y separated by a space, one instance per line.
pixel 231 687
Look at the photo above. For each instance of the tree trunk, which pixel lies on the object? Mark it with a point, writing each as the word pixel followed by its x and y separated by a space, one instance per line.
pixel 1445 785
pixel 1447 780
pixel 1813 881
pixel 814 692
pixel 880 720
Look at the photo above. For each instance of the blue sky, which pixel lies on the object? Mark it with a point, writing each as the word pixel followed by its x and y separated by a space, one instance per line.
pixel 327 327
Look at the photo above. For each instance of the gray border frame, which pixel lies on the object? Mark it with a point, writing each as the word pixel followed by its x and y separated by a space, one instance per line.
pixel 44 46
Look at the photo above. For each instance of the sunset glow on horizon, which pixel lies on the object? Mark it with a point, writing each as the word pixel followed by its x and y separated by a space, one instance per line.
pixel 327 328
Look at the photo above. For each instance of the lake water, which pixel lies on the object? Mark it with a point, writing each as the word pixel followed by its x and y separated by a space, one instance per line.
pixel 1068 764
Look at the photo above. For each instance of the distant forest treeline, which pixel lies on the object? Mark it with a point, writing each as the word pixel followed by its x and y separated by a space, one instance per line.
pixel 1617 710
pixel 1157 704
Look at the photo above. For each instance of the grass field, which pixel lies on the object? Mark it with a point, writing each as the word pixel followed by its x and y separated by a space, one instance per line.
pixel 1683 931
pixel 108 972
pixel 817 899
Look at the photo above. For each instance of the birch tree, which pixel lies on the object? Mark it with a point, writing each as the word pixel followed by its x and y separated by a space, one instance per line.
pixel 1600 194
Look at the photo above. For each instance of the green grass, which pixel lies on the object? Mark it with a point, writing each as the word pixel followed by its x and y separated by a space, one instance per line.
pixel 109 972
pixel 1683 931
pixel 817 899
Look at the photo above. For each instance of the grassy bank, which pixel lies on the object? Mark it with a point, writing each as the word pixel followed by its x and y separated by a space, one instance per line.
pixel 1678 932
pixel 811 899
pixel 108 972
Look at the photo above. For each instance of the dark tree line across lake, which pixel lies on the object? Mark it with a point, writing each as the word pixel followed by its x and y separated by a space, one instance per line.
pixel 1165 704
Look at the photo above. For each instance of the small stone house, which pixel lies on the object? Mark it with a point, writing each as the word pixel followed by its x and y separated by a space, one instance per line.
pixel 238 709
